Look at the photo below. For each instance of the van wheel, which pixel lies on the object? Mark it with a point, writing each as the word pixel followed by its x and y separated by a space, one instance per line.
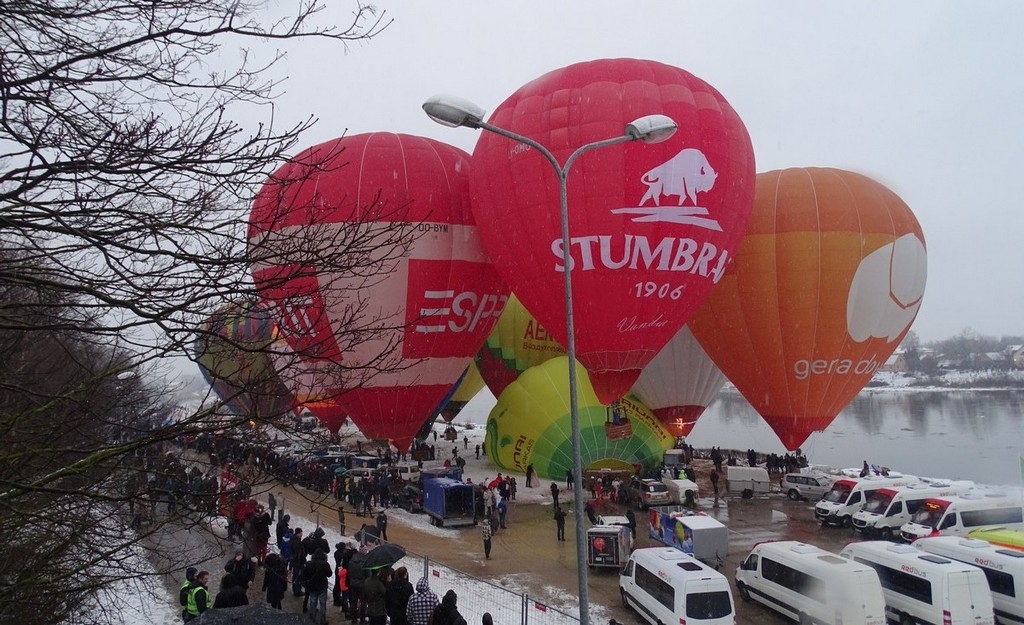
pixel 804 619
pixel 744 593
pixel 847 522
pixel 625 601
pixel 906 619
pixel 886 533
pixel 793 494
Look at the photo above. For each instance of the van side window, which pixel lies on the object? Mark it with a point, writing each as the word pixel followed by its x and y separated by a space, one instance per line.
pixel 900 582
pixel 659 589
pixel 750 564
pixel 628 571
pixel 895 509
pixel 854 498
pixel 999 582
pixel 992 516
pixel 947 521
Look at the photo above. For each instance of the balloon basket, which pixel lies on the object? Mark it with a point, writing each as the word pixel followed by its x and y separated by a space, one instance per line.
pixel 618 431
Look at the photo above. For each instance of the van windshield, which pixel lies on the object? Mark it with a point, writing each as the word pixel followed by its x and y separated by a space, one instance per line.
pixel 708 605
pixel 878 501
pixel 839 492
pixel 929 514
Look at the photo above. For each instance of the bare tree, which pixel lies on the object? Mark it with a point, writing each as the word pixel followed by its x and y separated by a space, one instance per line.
pixel 125 183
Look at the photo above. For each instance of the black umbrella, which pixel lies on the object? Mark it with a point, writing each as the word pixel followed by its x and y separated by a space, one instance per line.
pixel 253 614
pixel 385 554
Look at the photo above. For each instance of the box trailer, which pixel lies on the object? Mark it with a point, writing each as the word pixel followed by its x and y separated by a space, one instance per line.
pixel 703 536
pixel 608 546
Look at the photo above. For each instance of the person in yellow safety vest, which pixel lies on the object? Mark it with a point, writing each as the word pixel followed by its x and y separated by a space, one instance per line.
pixel 186 587
pixel 198 597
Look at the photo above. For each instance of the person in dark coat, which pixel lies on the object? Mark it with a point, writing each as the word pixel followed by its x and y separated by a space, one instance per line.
pixel 281 529
pixel 448 612
pixel 297 562
pixel 397 597
pixel 375 596
pixel 275 579
pixel 317 579
pixel 232 593
pixel 356 577
pixel 241 568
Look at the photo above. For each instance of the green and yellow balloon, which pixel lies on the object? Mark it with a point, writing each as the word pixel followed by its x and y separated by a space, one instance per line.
pixel 531 424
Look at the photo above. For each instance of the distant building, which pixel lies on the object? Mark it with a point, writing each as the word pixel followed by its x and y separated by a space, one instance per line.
pixel 896 362
pixel 991 360
pixel 1016 353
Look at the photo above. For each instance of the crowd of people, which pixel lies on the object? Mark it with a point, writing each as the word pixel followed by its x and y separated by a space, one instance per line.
pixel 374 595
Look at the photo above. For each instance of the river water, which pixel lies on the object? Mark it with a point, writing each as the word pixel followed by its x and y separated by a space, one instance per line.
pixel 971 435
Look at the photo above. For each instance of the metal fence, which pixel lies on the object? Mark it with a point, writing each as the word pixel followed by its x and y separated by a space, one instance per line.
pixel 506 601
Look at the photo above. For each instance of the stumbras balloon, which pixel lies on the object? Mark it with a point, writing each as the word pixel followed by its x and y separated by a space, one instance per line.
pixel 233 351
pixel 367 249
pixel 652 226
pixel 517 342
pixel 825 285
pixel 680 383
pixel 530 424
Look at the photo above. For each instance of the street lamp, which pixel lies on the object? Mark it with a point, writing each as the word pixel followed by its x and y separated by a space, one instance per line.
pixel 454 112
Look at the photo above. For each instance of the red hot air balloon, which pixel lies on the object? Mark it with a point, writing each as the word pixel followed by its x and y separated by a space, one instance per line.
pixel 679 383
pixel 367 248
pixel 652 226
pixel 822 289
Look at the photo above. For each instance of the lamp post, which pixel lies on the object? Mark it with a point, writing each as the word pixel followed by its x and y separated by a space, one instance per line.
pixel 454 112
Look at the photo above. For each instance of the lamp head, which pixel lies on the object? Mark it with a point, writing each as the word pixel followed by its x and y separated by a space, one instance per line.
pixel 650 128
pixel 453 111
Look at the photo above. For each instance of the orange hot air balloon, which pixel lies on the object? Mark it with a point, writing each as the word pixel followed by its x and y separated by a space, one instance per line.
pixel 825 284
pixel 517 342
pixel 679 383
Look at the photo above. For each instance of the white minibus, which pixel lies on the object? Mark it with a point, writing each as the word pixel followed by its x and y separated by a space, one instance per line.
pixel 925 588
pixel 847 496
pixel 811 585
pixel 1003 568
pixel 666 586
pixel 887 509
pixel 956 516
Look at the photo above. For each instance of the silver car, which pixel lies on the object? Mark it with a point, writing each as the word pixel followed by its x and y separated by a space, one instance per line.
pixel 812 486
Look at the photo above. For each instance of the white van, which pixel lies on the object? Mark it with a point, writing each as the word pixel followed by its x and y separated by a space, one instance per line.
pixel 847 496
pixel 887 509
pixel 1003 568
pixel 810 585
pixel 667 586
pixel 925 588
pixel 956 516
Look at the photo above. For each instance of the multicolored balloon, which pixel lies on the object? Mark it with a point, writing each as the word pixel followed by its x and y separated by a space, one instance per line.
pixel 517 342
pixel 530 424
pixel 367 248
pixel 468 385
pixel 652 226
pixel 826 283
pixel 680 383
pixel 234 356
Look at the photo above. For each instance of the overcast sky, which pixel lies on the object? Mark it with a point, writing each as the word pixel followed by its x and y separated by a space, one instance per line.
pixel 925 97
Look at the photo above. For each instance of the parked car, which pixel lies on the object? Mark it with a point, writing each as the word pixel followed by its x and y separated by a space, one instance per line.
pixel 811 486
pixel 409 497
pixel 645 493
